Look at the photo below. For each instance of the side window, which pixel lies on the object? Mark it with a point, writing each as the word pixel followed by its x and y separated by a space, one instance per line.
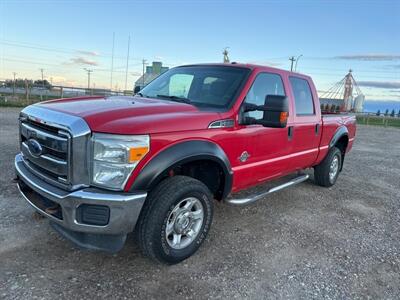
pixel 264 84
pixel 302 96
pixel 179 85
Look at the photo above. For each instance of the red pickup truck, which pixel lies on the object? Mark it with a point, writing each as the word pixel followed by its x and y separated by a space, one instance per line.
pixel 102 167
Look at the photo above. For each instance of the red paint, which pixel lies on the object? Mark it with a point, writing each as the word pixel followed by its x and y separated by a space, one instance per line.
pixel 272 154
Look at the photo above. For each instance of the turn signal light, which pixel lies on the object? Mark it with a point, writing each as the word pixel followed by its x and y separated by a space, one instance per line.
pixel 136 154
pixel 283 117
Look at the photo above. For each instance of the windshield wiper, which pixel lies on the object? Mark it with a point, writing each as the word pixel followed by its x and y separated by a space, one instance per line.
pixel 175 98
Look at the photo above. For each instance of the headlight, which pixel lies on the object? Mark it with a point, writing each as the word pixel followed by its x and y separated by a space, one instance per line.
pixel 115 157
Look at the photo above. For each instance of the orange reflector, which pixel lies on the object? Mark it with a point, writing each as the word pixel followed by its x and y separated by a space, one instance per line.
pixel 136 154
pixel 283 117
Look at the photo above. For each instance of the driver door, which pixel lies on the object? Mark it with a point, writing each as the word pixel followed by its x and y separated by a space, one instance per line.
pixel 268 148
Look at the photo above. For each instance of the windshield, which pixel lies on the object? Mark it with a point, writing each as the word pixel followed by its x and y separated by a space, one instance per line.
pixel 202 86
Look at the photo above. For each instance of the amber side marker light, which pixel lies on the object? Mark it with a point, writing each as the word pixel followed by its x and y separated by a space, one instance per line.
pixel 283 117
pixel 136 154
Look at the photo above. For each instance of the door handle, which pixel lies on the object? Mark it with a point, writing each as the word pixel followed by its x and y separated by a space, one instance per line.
pixel 316 129
pixel 290 133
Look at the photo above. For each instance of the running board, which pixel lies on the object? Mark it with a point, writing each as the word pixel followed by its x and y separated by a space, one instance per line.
pixel 254 198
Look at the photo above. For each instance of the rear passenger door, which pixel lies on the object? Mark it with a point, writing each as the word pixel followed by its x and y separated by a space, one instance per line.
pixel 306 128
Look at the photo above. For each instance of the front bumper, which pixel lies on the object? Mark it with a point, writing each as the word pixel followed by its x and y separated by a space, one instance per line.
pixel 124 208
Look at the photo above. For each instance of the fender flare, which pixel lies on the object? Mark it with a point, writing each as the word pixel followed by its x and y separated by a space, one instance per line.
pixel 183 152
pixel 340 132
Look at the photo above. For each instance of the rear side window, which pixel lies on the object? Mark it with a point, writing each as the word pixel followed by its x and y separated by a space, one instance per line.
pixel 302 96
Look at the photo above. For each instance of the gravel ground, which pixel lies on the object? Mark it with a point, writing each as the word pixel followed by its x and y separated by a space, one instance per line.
pixel 303 242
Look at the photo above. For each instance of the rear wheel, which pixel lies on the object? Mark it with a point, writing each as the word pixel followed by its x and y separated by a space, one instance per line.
pixel 175 219
pixel 327 172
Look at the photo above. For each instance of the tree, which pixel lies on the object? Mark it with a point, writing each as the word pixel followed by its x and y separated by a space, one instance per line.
pixel 392 113
pixel 378 113
pixel 42 83
pixel 386 112
pixel 398 114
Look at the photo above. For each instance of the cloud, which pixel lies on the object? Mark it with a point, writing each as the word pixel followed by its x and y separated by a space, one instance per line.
pixel 79 60
pixel 89 53
pixel 158 57
pixel 370 57
pixel 380 84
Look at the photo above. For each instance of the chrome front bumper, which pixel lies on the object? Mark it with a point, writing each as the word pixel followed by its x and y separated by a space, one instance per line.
pixel 124 208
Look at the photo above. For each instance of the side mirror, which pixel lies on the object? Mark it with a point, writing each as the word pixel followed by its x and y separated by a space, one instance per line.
pixel 276 112
pixel 136 89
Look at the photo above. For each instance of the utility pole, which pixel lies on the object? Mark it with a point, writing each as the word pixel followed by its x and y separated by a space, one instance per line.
pixel 292 59
pixel 88 80
pixel 41 93
pixel 14 83
pixel 127 63
pixel 112 62
pixel 144 64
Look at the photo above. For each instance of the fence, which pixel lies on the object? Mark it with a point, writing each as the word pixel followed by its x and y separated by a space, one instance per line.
pixel 378 120
pixel 24 96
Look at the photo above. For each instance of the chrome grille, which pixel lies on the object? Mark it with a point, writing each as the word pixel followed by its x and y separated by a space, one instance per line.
pixel 53 160
pixel 64 141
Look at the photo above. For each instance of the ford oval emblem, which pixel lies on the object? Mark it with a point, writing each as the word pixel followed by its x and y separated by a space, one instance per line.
pixel 34 147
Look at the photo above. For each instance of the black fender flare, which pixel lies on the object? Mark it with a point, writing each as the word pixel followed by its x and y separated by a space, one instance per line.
pixel 340 132
pixel 179 153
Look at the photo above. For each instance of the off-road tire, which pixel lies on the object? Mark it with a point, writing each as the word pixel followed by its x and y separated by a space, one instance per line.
pixel 154 217
pixel 321 172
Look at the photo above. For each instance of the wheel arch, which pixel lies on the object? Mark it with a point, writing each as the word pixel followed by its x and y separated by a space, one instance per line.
pixel 340 140
pixel 200 159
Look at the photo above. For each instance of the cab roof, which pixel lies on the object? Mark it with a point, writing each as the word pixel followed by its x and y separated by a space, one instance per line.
pixel 247 66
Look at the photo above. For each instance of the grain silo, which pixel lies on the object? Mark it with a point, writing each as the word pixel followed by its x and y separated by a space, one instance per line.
pixel 359 103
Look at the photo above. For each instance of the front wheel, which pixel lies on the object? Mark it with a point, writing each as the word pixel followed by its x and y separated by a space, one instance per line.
pixel 175 219
pixel 327 172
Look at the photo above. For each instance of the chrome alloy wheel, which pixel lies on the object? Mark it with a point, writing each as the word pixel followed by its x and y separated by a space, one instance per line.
pixel 333 169
pixel 184 223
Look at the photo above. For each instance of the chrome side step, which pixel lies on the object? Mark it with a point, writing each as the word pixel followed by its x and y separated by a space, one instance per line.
pixel 254 198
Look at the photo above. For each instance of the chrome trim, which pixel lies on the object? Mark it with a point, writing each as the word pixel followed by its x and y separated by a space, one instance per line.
pixel 254 198
pixel 58 167
pixel 41 132
pixel 73 130
pixel 226 123
pixel 39 113
pixel 124 207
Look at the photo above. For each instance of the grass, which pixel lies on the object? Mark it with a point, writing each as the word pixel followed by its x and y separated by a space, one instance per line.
pixel 22 102
pixel 379 121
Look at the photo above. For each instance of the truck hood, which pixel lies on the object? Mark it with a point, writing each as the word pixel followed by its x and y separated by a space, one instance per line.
pixel 134 115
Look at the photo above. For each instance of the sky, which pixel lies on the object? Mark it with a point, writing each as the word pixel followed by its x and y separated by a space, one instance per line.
pixel 65 37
